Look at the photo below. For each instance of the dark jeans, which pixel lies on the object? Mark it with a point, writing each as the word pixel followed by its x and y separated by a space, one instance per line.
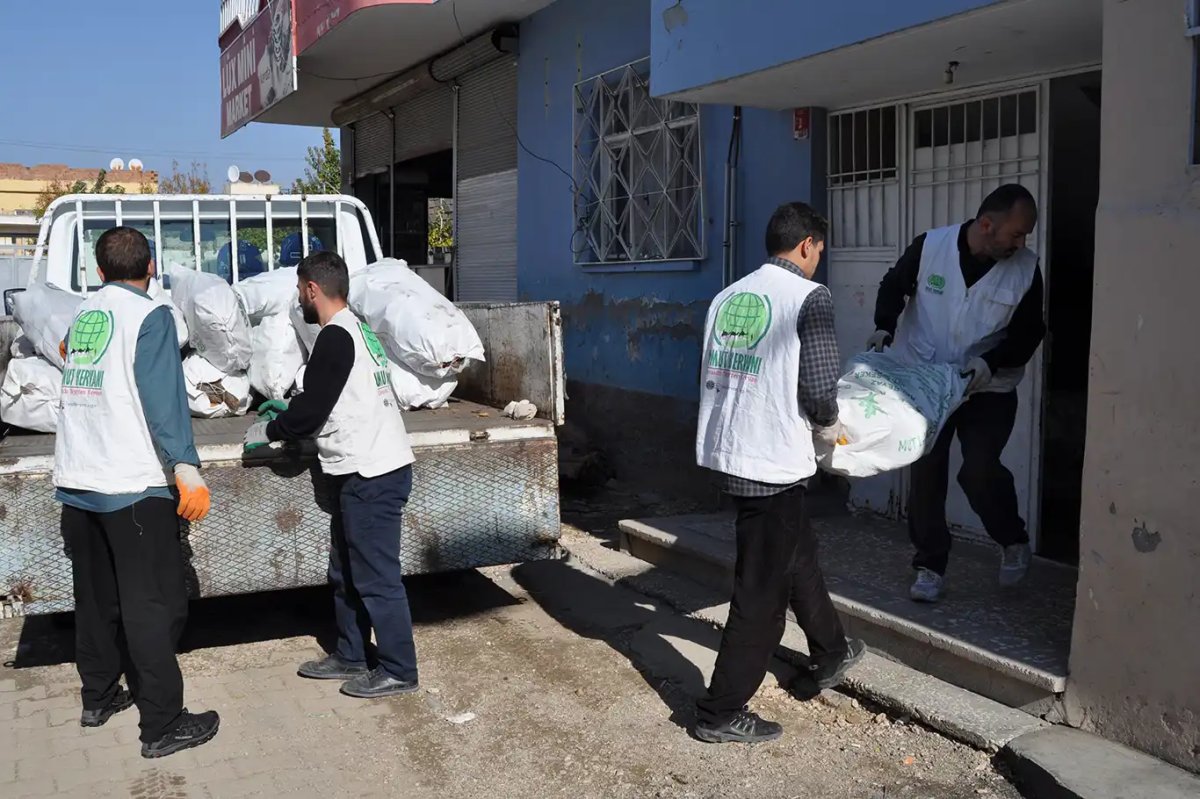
pixel 130 607
pixel 364 568
pixel 776 566
pixel 983 424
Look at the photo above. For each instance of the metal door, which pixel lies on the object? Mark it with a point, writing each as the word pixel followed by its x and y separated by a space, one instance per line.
pixel 865 194
pixel 485 216
pixel 958 152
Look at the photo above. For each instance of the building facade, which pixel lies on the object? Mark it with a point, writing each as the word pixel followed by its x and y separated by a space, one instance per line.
pixel 21 185
pixel 625 164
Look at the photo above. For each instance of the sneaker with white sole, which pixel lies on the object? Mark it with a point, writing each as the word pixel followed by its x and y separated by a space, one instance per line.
pixel 927 587
pixel 1015 564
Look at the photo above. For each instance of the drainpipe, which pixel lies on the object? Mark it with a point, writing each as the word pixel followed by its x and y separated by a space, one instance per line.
pixel 729 254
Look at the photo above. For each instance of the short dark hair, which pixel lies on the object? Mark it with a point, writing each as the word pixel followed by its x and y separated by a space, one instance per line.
pixel 327 270
pixel 123 253
pixel 791 224
pixel 1005 198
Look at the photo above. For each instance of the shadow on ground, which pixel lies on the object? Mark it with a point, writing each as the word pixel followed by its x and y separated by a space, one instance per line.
pixel 233 620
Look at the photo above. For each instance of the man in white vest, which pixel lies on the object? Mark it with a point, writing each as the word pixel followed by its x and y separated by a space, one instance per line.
pixel 971 295
pixel 349 407
pixel 124 437
pixel 768 387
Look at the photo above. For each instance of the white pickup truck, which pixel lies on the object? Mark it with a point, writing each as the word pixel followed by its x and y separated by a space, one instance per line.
pixel 485 486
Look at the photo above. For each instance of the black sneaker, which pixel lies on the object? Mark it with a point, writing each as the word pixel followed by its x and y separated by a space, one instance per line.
pixel 122 700
pixel 377 683
pixel 832 676
pixel 330 667
pixel 193 729
pixel 745 728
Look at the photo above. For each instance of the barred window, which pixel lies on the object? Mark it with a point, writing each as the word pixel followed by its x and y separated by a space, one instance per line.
pixel 637 172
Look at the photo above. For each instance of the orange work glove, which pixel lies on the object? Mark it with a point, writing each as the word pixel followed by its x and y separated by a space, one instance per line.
pixel 194 499
pixel 62 349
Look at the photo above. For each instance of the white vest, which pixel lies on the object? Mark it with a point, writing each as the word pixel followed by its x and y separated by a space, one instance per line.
pixel 103 443
pixel 751 423
pixel 945 322
pixel 364 433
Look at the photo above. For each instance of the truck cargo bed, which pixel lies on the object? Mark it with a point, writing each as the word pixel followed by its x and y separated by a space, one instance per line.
pixel 220 440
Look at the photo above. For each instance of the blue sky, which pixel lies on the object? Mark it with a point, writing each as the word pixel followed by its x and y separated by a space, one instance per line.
pixel 127 79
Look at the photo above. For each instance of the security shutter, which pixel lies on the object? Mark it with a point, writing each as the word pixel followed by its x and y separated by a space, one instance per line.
pixel 486 194
pixel 425 124
pixel 346 144
pixel 372 145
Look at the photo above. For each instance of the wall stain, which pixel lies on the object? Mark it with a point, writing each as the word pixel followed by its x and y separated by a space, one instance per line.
pixel 641 319
pixel 675 17
pixel 1145 540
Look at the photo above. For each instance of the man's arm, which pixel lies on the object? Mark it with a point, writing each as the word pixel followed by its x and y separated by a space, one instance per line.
pixel 158 374
pixel 324 378
pixel 820 362
pixel 1024 332
pixel 897 286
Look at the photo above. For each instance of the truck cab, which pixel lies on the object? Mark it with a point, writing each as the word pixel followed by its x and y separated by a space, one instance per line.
pixel 234 236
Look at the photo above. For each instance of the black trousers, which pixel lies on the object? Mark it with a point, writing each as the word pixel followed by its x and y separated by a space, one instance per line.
pixel 776 566
pixel 983 424
pixel 130 607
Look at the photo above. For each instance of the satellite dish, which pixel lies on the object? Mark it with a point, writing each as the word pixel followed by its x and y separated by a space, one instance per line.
pixel 116 164
pixel 232 173
pixel 246 177
pixel 135 164
pixel 262 176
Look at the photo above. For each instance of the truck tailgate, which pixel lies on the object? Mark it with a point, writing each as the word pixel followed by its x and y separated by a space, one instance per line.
pixel 485 492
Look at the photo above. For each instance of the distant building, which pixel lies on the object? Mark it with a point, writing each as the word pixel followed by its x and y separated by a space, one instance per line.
pixel 20 185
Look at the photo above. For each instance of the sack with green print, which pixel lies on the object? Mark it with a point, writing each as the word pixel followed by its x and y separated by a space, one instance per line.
pixel 892 412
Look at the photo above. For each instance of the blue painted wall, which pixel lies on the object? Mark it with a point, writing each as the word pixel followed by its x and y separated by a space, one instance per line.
pixel 698 42
pixel 638 329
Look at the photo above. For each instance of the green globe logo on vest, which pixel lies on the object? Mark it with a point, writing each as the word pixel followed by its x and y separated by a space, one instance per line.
pixel 378 354
pixel 743 320
pixel 91 333
pixel 936 284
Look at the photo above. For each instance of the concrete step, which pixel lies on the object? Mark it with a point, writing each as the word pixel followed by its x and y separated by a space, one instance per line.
pixel 1008 645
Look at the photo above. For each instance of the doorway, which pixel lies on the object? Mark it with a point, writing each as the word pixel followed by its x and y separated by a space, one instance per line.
pixel 1070 248
pixel 424 194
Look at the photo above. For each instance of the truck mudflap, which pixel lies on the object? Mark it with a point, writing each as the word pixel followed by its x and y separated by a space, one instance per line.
pixel 479 504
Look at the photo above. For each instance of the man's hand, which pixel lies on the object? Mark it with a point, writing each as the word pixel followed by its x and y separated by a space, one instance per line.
pixel 272 408
pixel 256 436
pixel 826 438
pixel 878 340
pixel 980 374
pixel 194 499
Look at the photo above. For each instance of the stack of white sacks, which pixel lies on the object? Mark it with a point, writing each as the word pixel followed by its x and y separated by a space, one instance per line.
pixel 252 336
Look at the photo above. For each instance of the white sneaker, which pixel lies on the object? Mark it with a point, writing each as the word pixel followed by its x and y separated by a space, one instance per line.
pixel 1015 564
pixel 928 586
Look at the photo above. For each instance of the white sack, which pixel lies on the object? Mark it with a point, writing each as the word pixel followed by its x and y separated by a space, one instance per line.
pixel 306 332
pixel 420 391
pixel 29 396
pixel 268 293
pixel 417 326
pixel 276 356
pixel 45 313
pixel 213 394
pixel 892 411
pixel 22 347
pixel 217 326
pixel 160 296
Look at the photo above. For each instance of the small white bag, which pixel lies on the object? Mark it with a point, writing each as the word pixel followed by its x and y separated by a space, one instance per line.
pixel 45 313
pixel 276 356
pixel 213 394
pixel 29 396
pixel 217 325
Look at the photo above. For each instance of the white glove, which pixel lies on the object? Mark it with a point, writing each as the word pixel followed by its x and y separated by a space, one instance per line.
pixel 826 438
pixel 980 374
pixel 878 340
pixel 256 436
